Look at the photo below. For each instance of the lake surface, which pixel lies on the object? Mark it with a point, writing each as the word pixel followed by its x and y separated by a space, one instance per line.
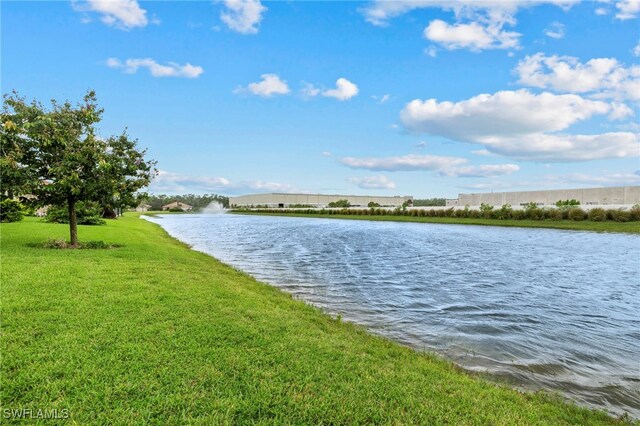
pixel 539 308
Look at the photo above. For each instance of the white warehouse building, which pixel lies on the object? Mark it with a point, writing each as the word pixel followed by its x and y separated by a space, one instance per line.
pixel 621 195
pixel 314 200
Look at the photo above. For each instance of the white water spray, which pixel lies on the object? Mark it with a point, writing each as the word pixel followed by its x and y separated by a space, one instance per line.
pixel 214 207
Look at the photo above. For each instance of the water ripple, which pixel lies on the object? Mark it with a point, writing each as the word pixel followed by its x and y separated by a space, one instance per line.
pixel 538 308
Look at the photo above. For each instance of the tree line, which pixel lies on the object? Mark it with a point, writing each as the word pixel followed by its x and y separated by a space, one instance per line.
pixel 196 201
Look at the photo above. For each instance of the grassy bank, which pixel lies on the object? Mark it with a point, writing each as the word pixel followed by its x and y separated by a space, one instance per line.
pixel 153 332
pixel 608 226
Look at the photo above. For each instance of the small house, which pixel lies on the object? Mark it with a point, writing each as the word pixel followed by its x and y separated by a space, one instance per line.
pixel 178 205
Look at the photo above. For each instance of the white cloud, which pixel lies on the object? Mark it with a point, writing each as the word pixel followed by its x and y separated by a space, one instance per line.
pixel 523 125
pixel 171 69
pixel 482 152
pixel 263 186
pixel 431 51
pixel 327 154
pixel 507 113
pixel 602 11
pixel 485 170
pixel 473 36
pixel 373 182
pixel 122 14
pixel 243 16
pixel 555 30
pixel 444 166
pixel 551 148
pixel 167 181
pixel 344 90
pixel 605 179
pixel 379 12
pixel 270 85
pixel 601 77
pixel 627 9
pixel 170 182
pixel 479 24
pixel 421 144
pixel 309 90
pixel 381 99
pixel 636 50
pixel 402 163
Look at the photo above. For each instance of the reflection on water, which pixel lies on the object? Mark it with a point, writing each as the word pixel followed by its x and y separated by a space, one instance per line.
pixel 540 308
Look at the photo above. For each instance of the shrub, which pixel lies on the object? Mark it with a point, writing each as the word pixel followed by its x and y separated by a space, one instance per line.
pixel 576 213
pixel 555 214
pixel 86 213
pixel 504 212
pixel 474 214
pixel 462 213
pixel 567 203
pixel 10 211
pixel 486 210
pixel 60 243
pixel 619 215
pixel 534 213
pixel 634 213
pixel 340 203
pixel 597 215
pixel 373 204
pixel 517 214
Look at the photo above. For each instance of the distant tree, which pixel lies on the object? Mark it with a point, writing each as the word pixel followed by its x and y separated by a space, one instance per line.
pixel 567 203
pixel 373 204
pixel 156 201
pixel 430 202
pixel 340 203
pixel 66 161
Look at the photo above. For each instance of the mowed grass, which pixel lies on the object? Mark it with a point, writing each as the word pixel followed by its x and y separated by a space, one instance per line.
pixel 155 333
pixel 585 225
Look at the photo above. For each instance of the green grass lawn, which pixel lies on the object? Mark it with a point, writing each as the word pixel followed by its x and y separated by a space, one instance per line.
pixel 153 332
pixel 585 225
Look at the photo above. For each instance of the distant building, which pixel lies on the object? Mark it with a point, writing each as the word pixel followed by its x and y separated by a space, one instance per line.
pixel 315 200
pixel 621 195
pixel 178 205
pixel 143 208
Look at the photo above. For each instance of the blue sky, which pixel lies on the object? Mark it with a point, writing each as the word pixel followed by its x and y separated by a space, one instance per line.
pixel 428 98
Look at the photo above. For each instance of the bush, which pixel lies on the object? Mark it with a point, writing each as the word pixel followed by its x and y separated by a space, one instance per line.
pixel 86 213
pixel 597 215
pixel 634 213
pixel 486 210
pixel 619 215
pixel 534 213
pixel 504 212
pixel 10 211
pixel 60 244
pixel 517 214
pixel 567 203
pixel 576 213
pixel 555 214
pixel 340 203
pixel 176 210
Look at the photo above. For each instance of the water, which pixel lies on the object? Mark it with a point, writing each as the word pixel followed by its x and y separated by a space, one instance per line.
pixel 538 308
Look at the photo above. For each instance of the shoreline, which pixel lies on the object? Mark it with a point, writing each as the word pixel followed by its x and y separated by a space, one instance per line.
pixel 606 226
pixel 219 325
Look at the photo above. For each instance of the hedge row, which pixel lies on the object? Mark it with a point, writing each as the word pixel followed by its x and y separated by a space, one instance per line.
pixel 486 212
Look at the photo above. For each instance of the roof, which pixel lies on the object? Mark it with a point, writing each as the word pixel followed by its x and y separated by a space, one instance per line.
pixel 177 203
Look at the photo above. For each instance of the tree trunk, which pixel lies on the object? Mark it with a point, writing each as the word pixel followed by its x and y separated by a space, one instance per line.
pixel 73 222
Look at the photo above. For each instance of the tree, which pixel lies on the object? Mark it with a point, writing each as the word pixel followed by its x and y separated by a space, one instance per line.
pixel 65 161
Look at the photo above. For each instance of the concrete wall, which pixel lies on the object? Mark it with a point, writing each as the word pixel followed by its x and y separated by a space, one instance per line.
pixel 316 200
pixel 623 195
